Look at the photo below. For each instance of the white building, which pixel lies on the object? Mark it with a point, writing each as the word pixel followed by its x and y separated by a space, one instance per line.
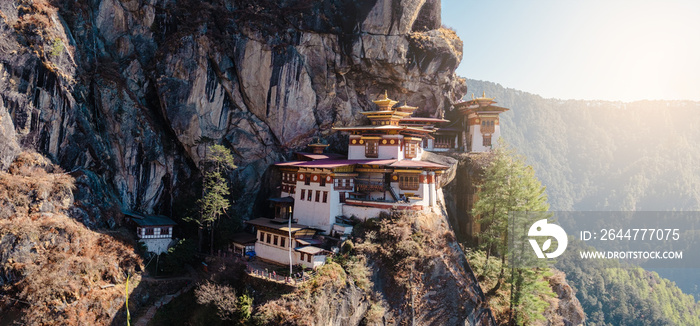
pixel 481 123
pixel 278 241
pixel 383 171
pixel 321 192
pixel 154 231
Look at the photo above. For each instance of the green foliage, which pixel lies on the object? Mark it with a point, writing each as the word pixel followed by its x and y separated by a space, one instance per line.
pixel 244 307
pixel 530 295
pixel 511 186
pixel 57 47
pixel 178 256
pixel 612 295
pixel 609 156
pixel 214 202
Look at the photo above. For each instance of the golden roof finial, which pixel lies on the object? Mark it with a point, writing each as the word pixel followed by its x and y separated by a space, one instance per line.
pixel 385 95
pixel 484 94
pixel 472 96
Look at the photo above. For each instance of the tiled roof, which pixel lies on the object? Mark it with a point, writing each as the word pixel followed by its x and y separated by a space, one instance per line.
pixel 417 164
pixel 329 164
pixel 277 224
pixel 311 250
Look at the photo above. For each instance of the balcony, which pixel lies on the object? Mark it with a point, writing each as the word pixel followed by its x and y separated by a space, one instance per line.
pixel 370 185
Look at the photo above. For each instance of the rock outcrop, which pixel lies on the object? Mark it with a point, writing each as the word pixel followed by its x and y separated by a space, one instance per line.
pixel 130 93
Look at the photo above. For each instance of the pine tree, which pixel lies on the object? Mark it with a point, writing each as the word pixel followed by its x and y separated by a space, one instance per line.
pixel 214 201
pixel 510 187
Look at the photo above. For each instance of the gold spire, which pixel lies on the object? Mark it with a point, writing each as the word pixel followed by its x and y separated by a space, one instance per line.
pixel 472 96
pixel 386 103
pixel 484 94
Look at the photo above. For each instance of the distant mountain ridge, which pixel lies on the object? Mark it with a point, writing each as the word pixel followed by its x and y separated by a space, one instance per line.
pixel 604 155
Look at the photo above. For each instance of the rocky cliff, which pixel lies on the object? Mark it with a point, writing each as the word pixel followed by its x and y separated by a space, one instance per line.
pixel 129 94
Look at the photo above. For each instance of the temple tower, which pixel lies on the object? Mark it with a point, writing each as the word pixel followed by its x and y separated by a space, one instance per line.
pixel 480 122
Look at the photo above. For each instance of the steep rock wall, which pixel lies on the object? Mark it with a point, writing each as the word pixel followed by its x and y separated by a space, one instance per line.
pixel 130 93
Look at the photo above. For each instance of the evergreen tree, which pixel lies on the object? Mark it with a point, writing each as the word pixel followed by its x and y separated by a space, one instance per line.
pixel 510 187
pixel 215 192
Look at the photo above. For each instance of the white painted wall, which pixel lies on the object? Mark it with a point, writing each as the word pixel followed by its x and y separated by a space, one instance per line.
pixel 316 214
pixel 273 253
pixel 356 152
pixel 362 213
pixel 478 139
pixel 390 152
pixel 157 246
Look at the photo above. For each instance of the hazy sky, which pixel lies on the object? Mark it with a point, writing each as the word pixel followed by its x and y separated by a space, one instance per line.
pixel 582 49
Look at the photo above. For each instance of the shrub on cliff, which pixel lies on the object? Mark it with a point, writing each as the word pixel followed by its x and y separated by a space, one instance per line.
pixel 52 268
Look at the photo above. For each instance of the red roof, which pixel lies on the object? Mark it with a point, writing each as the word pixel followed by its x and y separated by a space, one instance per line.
pixel 417 164
pixel 329 164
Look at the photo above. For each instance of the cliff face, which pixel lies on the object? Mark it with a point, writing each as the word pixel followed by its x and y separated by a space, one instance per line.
pixel 130 93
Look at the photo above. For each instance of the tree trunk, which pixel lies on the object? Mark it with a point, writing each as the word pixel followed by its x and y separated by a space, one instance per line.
pixel 211 246
pixel 200 236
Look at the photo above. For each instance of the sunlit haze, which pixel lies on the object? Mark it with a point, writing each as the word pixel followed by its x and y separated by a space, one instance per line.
pixel 592 49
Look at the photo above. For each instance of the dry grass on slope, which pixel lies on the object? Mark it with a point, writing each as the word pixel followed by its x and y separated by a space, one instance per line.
pixel 52 268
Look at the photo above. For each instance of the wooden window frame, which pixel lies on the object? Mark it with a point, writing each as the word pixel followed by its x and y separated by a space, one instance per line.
pixel 322 181
pixel 166 229
pixel 411 149
pixel 409 182
pixel 274 240
pixel 372 148
pixel 303 194
pixel 149 231
pixel 487 140
pixel 318 195
pixel 269 238
pixel 325 196
pixel 262 236
pixel 309 195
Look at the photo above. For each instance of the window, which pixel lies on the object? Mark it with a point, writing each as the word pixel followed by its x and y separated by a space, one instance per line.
pixel 342 197
pixel 308 258
pixel 487 126
pixel 310 194
pixel 371 148
pixel 274 240
pixel 292 190
pixel 487 140
pixel 262 236
pixel 268 238
pixel 283 242
pixel 318 195
pixel 149 231
pixel 307 179
pixel 303 193
pixel 165 230
pixel 325 196
pixel 302 256
pixel 408 182
pixel 411 149
pixel 322 183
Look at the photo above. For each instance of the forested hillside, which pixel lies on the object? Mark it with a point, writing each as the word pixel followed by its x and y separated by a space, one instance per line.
pixel 612 156
pixel 601 155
